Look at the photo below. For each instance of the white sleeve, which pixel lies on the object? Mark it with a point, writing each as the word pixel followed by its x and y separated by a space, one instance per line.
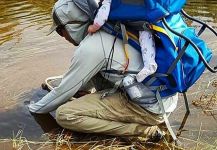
pixel 148 55
pixel 85 64
pixel 103 13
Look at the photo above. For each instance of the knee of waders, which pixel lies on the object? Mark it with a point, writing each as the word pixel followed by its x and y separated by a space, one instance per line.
pixel 60 115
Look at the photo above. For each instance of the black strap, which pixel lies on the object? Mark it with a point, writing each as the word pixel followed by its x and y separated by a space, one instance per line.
pixel 76 22
pixel 120 72
pixel 138 25
pixel 100 3
pixel 110 59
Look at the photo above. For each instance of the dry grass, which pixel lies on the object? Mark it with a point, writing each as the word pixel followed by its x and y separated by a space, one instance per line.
pixel 208 100
pixel 65 142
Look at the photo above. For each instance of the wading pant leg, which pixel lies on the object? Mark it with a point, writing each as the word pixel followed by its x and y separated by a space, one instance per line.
pixel 113 115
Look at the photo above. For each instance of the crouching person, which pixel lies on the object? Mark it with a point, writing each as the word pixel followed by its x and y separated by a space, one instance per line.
pixel 115 114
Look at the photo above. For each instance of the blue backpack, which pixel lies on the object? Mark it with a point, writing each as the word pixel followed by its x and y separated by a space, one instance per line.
pixel 147 10
pixel 181 54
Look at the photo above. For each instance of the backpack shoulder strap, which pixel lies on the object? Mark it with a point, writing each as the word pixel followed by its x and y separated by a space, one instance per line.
pixel 126 44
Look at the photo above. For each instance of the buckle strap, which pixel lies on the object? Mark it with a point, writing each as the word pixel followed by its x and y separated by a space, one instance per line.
pixel 154 78
pixel 154 88
pixel 120 72
pixel 111 91
pixel 162 30
pixel 125 43
pixel 166 119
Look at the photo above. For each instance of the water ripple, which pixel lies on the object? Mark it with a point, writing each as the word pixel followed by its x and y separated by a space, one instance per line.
pixel 18 15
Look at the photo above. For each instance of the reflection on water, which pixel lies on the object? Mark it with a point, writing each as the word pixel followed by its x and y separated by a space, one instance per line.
pixel 16 15
pixel 204 10
pixel 21 24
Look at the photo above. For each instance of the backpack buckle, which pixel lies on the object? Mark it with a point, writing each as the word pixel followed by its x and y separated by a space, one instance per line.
pixel 117 27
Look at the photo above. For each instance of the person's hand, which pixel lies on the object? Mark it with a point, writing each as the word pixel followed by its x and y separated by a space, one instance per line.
pixel 93 28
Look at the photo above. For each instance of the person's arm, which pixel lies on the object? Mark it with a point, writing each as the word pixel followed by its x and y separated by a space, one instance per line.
pixel 148 51
pixel 85 64
pixel 101 17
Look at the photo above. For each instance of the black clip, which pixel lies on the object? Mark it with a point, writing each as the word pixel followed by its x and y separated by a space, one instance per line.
pixel 117 27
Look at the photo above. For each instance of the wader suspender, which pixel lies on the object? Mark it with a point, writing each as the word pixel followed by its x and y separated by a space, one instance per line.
pixel 125 44
pixel 177 142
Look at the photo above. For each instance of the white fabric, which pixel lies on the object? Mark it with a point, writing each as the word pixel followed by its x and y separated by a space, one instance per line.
pixel 89 59
pixel 103 13
pixel 169 105
pixel 147 44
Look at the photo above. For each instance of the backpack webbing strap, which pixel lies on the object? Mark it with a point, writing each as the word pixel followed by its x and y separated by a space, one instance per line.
pixel 120 72
pixel 166 118
pixel 139 25
pixel 111 91
pixel 133 36
pixel 125 43
pixel 162 30
pixel 158 29
pixel 154 78
pixel 181 53
pixel 154 88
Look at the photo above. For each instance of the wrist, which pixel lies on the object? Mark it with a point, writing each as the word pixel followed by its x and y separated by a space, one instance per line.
pixel 96 26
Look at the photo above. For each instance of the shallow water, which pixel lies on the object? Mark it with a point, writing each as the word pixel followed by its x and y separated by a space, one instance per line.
pixel 16 18
pixel 27 57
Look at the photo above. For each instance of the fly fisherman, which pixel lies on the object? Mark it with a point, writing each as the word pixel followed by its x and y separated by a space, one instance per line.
pixel 115 114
